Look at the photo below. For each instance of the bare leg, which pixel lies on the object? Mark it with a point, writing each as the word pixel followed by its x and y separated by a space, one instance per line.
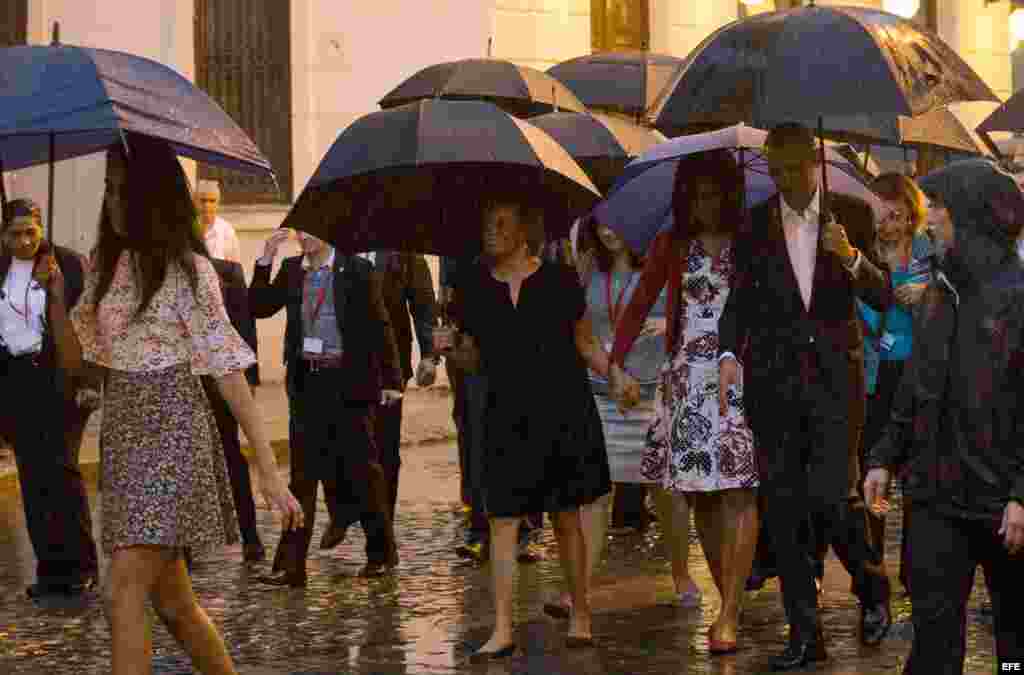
pixel 674 516
pixel 131 578
pixel 176 605
pixel 504 532
pixel 594 517
pixel 572 551
pixel 737 519
pixel 707 519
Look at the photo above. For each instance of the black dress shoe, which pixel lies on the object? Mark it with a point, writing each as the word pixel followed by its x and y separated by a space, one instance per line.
pixel 254 553
pixel 295 580
pixel 333 536
pixel 484 657
pixel 377 570
pixel 875 623
pixel 799 654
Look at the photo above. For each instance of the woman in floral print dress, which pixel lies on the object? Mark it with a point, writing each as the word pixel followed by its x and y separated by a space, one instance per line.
pixel 695 453
pixel 152 318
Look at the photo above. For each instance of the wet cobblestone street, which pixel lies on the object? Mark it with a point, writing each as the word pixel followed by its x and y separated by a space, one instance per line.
pixel 437 609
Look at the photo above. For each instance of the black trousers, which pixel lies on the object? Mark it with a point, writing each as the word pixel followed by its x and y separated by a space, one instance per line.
pixel 879 410
pixel 333 442
pixel 947 551
pixel 46 432
pixel 806 486
pixel 389 443
pixel 238 467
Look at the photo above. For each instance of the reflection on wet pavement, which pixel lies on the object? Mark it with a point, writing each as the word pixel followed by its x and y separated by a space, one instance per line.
pixel 437 610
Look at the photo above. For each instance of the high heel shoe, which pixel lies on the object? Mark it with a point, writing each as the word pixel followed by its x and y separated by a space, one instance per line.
pixel 716 646
pixel 503 653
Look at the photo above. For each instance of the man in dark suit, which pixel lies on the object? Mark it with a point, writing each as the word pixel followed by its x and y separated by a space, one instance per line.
pixel 339 350
pixel 236 301
pixel 408 292
pixel 43 421
pixel 791 318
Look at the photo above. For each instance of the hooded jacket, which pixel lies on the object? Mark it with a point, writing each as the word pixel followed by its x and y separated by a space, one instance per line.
pixel 957 426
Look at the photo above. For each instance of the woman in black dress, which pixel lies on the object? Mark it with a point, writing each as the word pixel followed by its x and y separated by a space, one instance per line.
pixel 524 323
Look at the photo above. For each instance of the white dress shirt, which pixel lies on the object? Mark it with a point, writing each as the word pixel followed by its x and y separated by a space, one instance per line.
pixel 21 325
pixel 222 242
pixel 801 231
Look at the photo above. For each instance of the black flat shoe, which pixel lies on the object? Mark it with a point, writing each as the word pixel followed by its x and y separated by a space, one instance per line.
pixel 556 610
pixel 577 642
pixel 484 657
pixel 377 570
pixel 799 655
pixel 282 579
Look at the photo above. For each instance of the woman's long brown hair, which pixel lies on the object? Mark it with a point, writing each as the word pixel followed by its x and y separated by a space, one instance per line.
pixel 160 221
pixel 719 166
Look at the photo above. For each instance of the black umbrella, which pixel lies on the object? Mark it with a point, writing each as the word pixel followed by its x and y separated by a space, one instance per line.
pixel 417 178
pixel 518 90
pixel 602 145
pixel 626 82
pixel 856 68
pixel 1007 117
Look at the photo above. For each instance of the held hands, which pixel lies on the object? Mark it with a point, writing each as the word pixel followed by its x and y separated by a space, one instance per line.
pixel 274 243
pixel 88 398
pixel 277 495
pixel 728 377
pixel 876 487
pixel 1012 527
pixel 834 239
pixel 909 294
pixel 625 390
pixel 654 328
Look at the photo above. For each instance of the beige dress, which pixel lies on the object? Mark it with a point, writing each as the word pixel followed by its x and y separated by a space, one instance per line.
pixel 163 479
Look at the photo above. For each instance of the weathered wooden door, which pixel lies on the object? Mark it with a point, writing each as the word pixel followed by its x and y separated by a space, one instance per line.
pixel 243 60
pixel 13 22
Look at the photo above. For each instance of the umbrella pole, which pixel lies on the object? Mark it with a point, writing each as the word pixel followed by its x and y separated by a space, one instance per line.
pixel 49 206
pixel 3 190
pixel 823 207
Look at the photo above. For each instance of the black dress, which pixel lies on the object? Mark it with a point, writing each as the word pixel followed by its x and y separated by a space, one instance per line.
pixel 544 445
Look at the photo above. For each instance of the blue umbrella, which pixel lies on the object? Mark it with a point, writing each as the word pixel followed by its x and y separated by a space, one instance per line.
pixel 639 205
pixel 58 102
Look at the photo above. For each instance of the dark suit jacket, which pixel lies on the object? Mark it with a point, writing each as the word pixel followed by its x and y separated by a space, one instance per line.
pixel 765 322
pixel 72 266
pixel 236 301
pixel 407 287
pixel 370 361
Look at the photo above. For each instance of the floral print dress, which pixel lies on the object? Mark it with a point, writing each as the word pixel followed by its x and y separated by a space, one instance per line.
pixel 690 447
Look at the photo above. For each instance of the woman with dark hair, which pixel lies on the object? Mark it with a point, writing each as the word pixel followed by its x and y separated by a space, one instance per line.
pixel 152 317
pixel 955 431
pixel 525 326
pixel 905 247
pixel 705 459
pixel 53 492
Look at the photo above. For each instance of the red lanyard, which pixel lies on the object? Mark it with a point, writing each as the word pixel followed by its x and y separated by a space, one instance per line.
pixel 613 310
pixel 24 315
pixel 321 295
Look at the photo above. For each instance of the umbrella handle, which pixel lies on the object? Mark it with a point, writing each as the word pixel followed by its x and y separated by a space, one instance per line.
pixel 50 186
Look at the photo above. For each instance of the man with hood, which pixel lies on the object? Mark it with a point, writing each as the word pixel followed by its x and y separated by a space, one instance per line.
pixel 956 435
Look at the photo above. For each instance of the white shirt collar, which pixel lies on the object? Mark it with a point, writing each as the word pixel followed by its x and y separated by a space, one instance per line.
pixel 329 263
pixel 810 214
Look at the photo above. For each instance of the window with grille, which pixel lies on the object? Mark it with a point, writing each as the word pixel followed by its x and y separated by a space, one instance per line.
pixel 243 61
pixel 619 25
pixel 13 22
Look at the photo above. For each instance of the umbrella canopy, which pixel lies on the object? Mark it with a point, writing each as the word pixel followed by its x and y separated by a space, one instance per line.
pixel 518 90
pixel 640 203
pixel 857 68
pixel 86 98
pixel 602 145
pixel 418 178
pixel 953 126
pixel 627 82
